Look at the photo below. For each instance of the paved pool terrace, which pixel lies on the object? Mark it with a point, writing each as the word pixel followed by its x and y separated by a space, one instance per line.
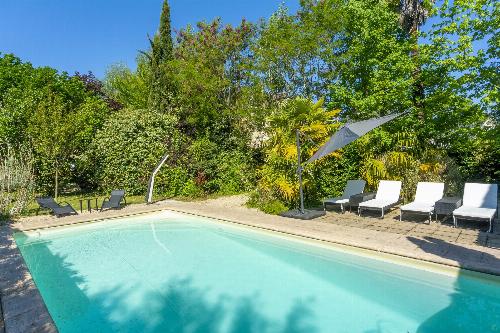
pixel 466 247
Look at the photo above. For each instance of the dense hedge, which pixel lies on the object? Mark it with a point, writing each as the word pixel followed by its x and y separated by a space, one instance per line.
pixel 126 150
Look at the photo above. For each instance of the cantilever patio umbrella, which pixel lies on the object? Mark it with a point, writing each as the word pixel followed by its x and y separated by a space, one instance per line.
pixel 345 135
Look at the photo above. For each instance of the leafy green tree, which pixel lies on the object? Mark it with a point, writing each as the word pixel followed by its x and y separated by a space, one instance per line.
pixel 25 88
pixel 52 114
pixel 13 73
pixel 373 64
pixel 51 136
pixel 131 89
pixel 288 56
pixel 460 76
pixel 96 87
pixel 209 72
pixel 353 52
pixel 209 77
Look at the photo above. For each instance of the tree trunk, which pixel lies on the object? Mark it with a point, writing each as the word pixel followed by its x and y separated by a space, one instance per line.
pixel 418 93
pixel 56 187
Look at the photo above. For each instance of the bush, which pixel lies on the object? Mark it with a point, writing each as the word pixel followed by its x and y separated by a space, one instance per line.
pixel 220 169
pixel 17 181
pixel 235 173
pixel 177 182
pixel 171 181
pixel 127 149
pixel 411 163
pixel 266 204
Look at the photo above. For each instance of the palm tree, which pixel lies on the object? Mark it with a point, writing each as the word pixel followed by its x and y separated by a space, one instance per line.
pixel 412 15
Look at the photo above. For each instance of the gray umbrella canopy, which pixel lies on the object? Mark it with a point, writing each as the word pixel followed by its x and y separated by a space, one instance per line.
pixel 350 132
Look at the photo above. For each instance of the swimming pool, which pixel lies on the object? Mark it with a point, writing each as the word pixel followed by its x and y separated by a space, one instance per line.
pixel 169 272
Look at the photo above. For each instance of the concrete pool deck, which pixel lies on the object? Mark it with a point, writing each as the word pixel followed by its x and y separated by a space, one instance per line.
pixel 466 247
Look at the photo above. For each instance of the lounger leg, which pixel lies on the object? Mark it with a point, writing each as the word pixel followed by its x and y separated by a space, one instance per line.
pixel 382 213
pixel 454 221
pixel 342 208
pixel 401 216
pixel 359 210
pixel 491 226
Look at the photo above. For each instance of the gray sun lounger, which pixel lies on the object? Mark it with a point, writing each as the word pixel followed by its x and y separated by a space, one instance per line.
pixel 52 205
pixel 352 187
pixel 114 201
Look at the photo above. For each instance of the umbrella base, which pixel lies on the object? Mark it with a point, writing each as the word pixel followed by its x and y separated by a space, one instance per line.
pixel 307 215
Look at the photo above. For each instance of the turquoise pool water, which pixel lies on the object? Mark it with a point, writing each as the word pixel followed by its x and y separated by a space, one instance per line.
pixel 174 273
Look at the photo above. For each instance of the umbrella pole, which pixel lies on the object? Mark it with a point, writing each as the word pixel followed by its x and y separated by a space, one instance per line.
pixel 301 213
pixel 299 172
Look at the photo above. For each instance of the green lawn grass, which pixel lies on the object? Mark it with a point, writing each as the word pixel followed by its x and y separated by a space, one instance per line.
pixel 74 200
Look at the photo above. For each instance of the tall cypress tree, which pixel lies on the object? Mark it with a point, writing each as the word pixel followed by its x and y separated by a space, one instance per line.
pixel 161 52
pixel 164 36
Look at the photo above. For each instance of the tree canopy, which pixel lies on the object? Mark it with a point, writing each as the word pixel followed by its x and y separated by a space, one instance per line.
pixel 224 101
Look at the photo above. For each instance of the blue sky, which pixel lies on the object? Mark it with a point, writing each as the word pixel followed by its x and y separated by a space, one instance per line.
pixel 83 35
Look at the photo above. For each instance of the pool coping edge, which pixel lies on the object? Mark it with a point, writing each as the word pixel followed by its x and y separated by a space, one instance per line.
pixel 22 306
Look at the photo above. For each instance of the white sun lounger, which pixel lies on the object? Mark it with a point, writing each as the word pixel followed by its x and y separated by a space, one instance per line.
pixel 479 203
pixel 425 198
pixel 387 196
pixel 352 187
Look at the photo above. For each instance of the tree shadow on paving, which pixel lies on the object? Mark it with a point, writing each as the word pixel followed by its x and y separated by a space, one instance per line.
pixel 412 218
pixel 480 226
pixel 374 214
pixel 475 299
